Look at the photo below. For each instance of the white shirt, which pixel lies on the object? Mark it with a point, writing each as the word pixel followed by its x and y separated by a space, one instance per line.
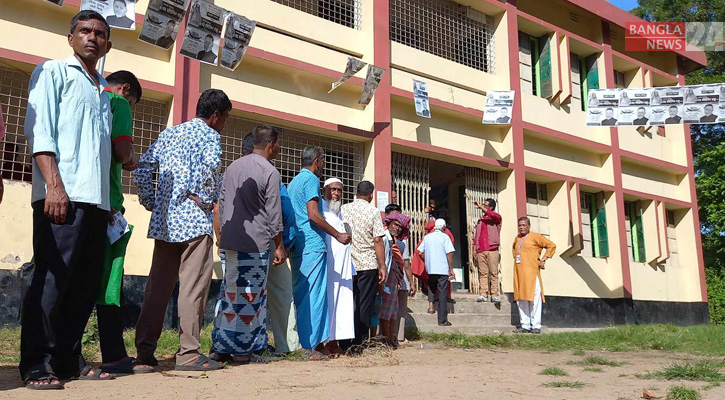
pixel 436 246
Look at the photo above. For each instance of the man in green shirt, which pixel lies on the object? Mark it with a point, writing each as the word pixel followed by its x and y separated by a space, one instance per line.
pixel 124 91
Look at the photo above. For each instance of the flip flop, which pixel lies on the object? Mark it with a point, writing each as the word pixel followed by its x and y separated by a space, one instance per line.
pixel 198 365
pixel 126 367
pixel 96 374
pixel 42 377
pixel 314 355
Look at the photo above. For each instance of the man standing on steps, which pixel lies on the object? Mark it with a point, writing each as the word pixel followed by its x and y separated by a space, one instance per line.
pixel 485 246
pixel 528 263
pixel 437 253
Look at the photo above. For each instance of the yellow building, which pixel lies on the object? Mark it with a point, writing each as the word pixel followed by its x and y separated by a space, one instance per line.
pixel 619 202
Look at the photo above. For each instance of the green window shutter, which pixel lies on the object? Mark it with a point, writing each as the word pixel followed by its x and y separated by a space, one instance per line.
pixel 637 233
pixel 602 239
pixel 594 219
pixel 545 83
pixel 592 71
pixel 535 66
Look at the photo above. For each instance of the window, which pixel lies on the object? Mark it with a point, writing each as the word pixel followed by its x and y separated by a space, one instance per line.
pixel 344 12
pixel 635 233
pixel 594 225
pixel 674 260
pixel 584 76
pixel 343 158
pixel 619 80
pixel 537 207
pixel 15 159
pixel 528 63
pixel 446 29
pixel 149 119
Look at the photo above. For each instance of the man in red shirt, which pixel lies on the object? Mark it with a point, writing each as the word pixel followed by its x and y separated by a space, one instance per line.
pixel 485 247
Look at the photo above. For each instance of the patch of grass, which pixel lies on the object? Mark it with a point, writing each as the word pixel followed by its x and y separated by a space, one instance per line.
pixel 578 352
pixel 565 384
pixel 553 371
pixel 682 393
pixel 596 360
pixel 704 370
pixel 593 369
pixel 9 344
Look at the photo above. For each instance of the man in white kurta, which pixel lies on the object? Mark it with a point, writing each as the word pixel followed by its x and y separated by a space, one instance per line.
pixel 339 270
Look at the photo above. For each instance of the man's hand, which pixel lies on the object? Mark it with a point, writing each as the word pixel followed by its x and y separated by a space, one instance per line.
pixel 479 206
pixel 382 275
pixel 280 256
pixel 451 274
pixel 412 290
pixel 130 166
pixel 56 204
pixel 542 264
pixel 197 200
pixel 110 216
pixel 343 238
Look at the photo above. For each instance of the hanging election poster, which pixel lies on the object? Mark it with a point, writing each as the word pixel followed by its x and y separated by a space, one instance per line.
pixel 420 96
pixel 237 36
pixel 602 107
pixel 634 107
pixel 666 105
pixel 499 107
pixel 700 103
pixel 119 14
pixel 721 105
pixel 353 67
pixel 375 74
pixel 203 32
pixel 161 24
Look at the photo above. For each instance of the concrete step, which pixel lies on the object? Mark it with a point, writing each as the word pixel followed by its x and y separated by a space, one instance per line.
pixel 481 320
pixel 461 307
pixel 468 329
pixel 462 297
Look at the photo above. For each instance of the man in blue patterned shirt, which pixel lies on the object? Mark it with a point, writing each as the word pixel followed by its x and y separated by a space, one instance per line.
pixel 187 158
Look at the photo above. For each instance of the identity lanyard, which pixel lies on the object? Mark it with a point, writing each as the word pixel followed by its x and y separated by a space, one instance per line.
pixel 521 243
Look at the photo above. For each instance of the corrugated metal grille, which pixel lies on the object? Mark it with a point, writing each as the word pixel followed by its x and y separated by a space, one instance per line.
pixel 446 29
pixel 149 119
pixel 411 181
pixel 480 185
pixel 15 160
pixel 344 12
pixel 343 158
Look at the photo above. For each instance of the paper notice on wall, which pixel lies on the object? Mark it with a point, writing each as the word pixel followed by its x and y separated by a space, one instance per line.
pixel 602 105
pixel 162 21
pixel 237 36
pixel 499 107
pixel 353 67
pixel 701 103
pixel 382 200
pixel 56 2
pixel 375 74
pixel 203 32
pixel 119 14
pixel 119 228
pixel 420 96
pixel 721 105
pixel 634 107
pixel 666 105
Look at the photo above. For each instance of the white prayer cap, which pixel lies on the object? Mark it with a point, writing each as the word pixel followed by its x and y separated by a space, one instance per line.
pixel 440 224
pixel 330 181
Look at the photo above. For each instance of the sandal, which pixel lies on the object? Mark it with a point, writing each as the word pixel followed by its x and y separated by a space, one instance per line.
pixel 97 374
pixel 198 365
pixel 42 377
pixel 127 367
pixel 314 355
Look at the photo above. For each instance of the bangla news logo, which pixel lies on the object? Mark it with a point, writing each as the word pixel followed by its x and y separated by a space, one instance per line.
pixel 674 36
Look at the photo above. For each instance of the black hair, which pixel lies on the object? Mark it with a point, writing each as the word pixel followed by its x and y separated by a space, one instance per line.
pixel 310 154
pixel 392 207
pixel 642 108
pixel 491 203
pixel 87 15
pixel 264 134
pixel 528 221
pixel 212 100
pixel 209 36
pixel 610 109
pixel 123 77
pixel 247 145
pixel 122 1
pixel 365 188
pixel 675 107
pixel 709 105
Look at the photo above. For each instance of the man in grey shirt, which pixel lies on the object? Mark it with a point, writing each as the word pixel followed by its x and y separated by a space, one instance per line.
pixel 251 216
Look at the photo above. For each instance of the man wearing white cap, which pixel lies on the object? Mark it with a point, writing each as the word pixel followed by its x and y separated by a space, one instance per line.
pixel 437 252
pixel 339 270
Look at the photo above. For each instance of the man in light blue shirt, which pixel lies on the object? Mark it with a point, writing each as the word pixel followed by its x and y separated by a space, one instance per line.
pixel 68 127
pixel 437 252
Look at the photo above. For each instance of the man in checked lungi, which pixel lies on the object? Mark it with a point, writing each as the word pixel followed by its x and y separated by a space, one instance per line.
pixel 251 216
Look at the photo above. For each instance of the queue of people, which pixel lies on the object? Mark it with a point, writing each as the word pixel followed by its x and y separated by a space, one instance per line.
pixel 322 275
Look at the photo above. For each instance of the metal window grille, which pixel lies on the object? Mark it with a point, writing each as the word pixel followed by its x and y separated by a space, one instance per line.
pixel 343 158
pixel 344 12
pixel 15 160
pixel 480 185
pixel 446 29
pixel 149 119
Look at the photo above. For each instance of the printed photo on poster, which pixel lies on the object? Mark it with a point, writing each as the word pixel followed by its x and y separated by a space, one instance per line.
pixel 721 105
pixel 666 105
pixel 375 74
pixel 203 32
pixel 603 105
pixel 353 67
pixel 162 21
pixel 119 14
pixel 499 107
pixel 700 104
pixel 636 111
pixel 420 96
pixel 237 36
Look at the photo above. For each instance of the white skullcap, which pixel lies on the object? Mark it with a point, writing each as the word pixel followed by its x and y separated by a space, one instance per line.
pixel 330 181
pixel 440 224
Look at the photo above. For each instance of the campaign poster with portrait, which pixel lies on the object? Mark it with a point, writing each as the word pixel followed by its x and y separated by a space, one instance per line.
pixel 666 105
pixel 602 107
pixel 499 107
pixel 352 67
pixel 634 105
pixel 237 36
pixel 120 14
pixel 372 80
pixel 701 103
pixel 420 96
pixel 162 21
pixel 721 105
pixel 203 32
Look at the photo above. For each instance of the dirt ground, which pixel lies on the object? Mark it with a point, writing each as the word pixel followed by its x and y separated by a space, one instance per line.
pixel 417 370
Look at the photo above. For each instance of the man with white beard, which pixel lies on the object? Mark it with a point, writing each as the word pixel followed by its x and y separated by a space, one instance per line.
pixel 339 270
